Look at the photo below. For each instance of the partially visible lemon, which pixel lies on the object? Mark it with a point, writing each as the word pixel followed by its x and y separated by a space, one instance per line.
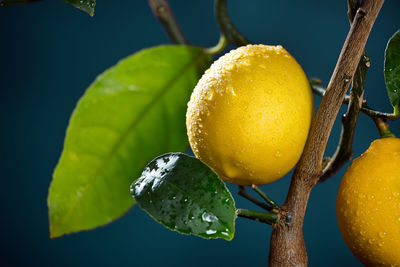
pixel 368 204
pixel 249 116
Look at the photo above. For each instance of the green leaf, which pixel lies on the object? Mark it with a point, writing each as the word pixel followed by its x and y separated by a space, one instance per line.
pixel 84 5
pixel 130 114
pixel 392 69
pixel 186 196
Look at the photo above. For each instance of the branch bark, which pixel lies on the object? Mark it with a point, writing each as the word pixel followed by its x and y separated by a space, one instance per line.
pixel 287 241
pixel 163 13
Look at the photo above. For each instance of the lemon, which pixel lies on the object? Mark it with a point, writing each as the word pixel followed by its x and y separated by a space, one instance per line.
pixel 368 204
pixel 249 115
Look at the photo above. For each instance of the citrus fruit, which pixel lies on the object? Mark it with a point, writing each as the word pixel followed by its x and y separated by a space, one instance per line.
pixel 368 204
pixel 249 115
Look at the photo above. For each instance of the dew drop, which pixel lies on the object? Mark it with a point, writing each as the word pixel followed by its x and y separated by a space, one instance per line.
pixel 210 95
pixel 246 62
pixel 208 217
pixel 232 90
pixel 371 240
pixel 210 232
pixel 278 154
pixel 230 66
pixel 382 234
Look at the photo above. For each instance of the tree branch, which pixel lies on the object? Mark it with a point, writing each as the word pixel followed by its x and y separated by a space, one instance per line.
pixel 344 152
pixel 163 13
pixel 287 241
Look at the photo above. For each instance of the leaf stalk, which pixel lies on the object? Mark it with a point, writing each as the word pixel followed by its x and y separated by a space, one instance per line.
pixel 264 217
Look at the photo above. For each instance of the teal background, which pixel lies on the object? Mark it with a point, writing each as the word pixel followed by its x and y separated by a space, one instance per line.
pixel 50 52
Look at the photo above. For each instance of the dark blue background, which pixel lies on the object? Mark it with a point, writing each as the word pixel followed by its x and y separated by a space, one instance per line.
pixel 49 54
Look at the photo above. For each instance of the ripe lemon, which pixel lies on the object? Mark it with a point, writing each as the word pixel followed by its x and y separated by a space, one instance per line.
pixel 368 204
pixel 249 116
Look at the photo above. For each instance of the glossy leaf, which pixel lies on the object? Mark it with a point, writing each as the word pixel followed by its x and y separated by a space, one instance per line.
pixel 130 114
pixel 392 69
pixel 186 196
pixel 84 5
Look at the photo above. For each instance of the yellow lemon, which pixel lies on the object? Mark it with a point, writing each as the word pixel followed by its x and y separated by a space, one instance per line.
pixel 368 204
pixel 249 116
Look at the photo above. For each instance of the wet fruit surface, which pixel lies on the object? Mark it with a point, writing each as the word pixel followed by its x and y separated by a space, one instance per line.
pixel 249 115
pixel 368 204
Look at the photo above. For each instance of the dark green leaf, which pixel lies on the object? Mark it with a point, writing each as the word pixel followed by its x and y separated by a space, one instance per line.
pixel 392 69
pixel 131 113
pixel 185 195
pixel 84 5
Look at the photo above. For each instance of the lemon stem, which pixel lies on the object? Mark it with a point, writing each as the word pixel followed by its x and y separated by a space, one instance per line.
pixel 383 128
pixel 267 199
pixel 226 26
pixel 243 193
pixel 163 13
pixel 222 43
pixel 264 217
pixel 396 111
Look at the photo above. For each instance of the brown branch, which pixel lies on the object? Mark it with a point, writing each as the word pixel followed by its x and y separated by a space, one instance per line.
pixel 344 151
pixel 287 241
pixel 163 13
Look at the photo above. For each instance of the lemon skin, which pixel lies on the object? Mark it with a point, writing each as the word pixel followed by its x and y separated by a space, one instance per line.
pixel 368 204
pixel 249 116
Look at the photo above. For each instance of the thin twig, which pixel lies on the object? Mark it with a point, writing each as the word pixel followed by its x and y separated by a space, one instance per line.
pixel 164 14
pixel 243 193
pixel 4 3
pixel 264 217
pixel 269 200
pixel 226 26
pixel 320 90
